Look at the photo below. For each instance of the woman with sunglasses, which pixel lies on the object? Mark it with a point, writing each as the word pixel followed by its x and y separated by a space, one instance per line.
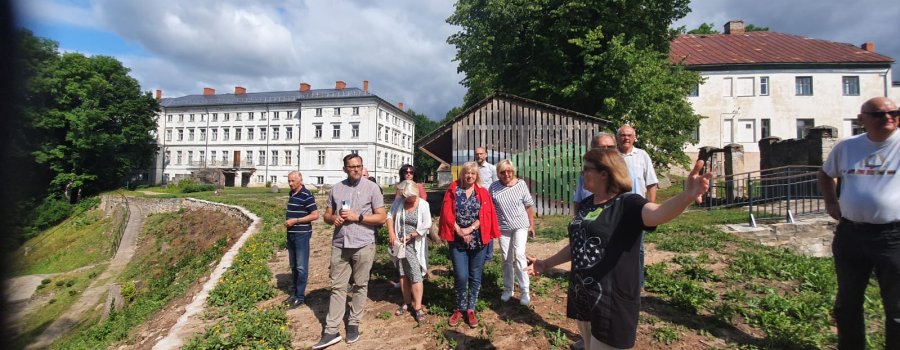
pixel 515 215
pixel 604 239
pixel 408 172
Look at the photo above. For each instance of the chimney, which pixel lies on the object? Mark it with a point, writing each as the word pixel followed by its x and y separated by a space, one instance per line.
pixel 366 86
pixel 868 46
pixel 339 85
pixel 158 94
pixel 734 27
pixel 304 87
pixel 239 90
pixel 209 91
pixel 400 105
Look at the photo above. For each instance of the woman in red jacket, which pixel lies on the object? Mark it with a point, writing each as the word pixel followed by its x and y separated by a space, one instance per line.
pixel 468 222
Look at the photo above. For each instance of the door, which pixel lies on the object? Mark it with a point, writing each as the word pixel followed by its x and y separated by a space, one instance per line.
pixel 237 159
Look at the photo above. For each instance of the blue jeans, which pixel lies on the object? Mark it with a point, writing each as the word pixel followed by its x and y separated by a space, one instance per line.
pixel 467 268
pixel 859 249
pixel 489 254
pixel 298 256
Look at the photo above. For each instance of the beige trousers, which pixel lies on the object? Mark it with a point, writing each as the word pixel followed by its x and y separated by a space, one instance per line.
pixel 347 264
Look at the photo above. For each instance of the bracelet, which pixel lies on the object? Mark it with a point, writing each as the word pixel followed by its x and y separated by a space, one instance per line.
pixel 360 217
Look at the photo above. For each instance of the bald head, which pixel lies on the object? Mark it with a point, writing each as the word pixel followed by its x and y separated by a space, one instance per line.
pixel 878 104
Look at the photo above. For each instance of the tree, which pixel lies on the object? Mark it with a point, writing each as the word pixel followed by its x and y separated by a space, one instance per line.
pixel 753 28
pixel 91 123
pixel 425 164
pixel 704 28
pixel 604 58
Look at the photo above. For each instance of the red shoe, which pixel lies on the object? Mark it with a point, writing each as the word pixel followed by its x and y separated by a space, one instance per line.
pixel 454 319
pixel 471 319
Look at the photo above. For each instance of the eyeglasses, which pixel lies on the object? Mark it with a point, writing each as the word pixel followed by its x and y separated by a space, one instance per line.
pixel 606 147
pixel 353 166
pixel 507 172
pixel 882 114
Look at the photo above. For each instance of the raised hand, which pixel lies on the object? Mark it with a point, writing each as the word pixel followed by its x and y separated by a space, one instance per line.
pixel 696 185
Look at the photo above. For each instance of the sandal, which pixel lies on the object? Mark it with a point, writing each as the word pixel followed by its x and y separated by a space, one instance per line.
pixel 419 315
pixel 401 310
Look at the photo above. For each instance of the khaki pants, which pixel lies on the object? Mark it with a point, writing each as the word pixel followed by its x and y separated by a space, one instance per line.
pixel 347 263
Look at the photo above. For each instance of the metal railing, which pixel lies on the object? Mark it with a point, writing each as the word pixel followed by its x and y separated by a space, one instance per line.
pixel 120 230
pixel 769 195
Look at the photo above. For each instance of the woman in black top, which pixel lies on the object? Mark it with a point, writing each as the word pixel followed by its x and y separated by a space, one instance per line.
pixel 604 237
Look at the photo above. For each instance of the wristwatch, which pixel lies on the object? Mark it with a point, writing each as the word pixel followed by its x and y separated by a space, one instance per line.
pixel 360 217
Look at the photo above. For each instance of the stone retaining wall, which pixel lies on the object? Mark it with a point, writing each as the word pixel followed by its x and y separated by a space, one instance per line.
pixel 108 203
pixel 809 237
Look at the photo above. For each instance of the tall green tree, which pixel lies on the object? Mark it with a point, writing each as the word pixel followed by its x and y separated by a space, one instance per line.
pixel 704 28
pixel 425 165
pixel 607 58
pixel 91 123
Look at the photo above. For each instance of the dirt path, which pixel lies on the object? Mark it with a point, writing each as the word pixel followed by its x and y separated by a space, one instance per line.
pixel 91 297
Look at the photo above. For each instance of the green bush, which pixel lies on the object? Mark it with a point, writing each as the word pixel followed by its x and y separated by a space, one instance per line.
pixel 198 188
pixel 50 212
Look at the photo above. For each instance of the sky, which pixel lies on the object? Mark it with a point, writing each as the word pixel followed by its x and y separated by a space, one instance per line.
pixel 399 46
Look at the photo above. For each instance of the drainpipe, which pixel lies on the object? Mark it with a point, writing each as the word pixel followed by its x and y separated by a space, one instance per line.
pixel 268 137
pixel 887 81
pixel 299 134
pixel 163 148
pixel 206 138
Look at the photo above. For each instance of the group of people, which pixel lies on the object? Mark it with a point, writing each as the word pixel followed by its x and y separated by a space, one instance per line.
pixel 614 205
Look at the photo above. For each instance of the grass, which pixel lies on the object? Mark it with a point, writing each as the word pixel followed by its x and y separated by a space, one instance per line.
pixel 177 251
pixel 60 291
pixel 79 241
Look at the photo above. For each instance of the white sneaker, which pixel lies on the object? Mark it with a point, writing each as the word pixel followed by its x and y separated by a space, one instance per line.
pixel 525 299
pixel 506 295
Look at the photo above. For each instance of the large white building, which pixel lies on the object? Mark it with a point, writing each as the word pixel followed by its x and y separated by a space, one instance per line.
pixel 258 138
pixel 761 84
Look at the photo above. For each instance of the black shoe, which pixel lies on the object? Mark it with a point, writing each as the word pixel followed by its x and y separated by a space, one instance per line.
pixel 296 303
pixel 352 333
pixel 289 301
pixel 327 340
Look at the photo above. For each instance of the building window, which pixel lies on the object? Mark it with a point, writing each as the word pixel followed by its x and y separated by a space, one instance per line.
pixel 249 133
pixel 262 115
pixel 202 117
pixel 249 157
pixel 215 134
pixel 287 157
pixel 320 180
pixel 379 133
pixel 275 115
pixel 274 158
pixel 250 115
pixel 764 86
pixel 227 117
pixel 354 133
pixel 202 157
pixel 387 135
pixel 202 134
pixel 695 91
pixel 260 178
pixel 856 128
pixel 318 112
pixel 180 134
pixel 804 86
pixel 224 157
pixel 274 133
pixel 169 118
pixel 288 115
pixel 215 117
pixel 168 134
pixel 190 134
pixel 851 85
pixel 262 157
pixel 237 116
pixel 237 134
pixel 745 87
pixel 273 179
pixel 178 160
pixel 321 157
pixel 225 134
pixel 336 131
pixel 355 110
pixel 317 131
pixel 337 111
pixel 803 126
pixel 190 157
pixel 181 118
pixel 727 87
pixel 191 117
pixel 289 133
pixel 354 151
pixel 765 128
pixel 262 133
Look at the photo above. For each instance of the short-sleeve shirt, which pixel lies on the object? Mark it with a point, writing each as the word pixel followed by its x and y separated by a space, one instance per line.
pixel 510 202
pixel 467 209
pixel 604 285
pixel 640 167
pixel 870 185
pixel 580 193
pixel 363 197
pixel 488 174
pixel 299 205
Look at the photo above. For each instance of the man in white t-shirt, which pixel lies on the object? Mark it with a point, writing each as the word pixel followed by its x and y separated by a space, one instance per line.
pixel 640 167
pixel 867 237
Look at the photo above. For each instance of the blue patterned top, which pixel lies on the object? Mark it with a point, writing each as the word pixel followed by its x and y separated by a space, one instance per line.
pixel 467 210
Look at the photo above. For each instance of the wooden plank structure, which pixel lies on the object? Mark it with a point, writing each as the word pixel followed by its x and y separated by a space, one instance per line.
pixel 544 142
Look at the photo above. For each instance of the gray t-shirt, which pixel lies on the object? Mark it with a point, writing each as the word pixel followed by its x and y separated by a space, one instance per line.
pixel 363 198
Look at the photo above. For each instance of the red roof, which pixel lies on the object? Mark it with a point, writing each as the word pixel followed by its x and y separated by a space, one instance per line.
pixel 765 48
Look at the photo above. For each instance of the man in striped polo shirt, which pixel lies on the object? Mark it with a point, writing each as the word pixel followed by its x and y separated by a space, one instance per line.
pixel 301 211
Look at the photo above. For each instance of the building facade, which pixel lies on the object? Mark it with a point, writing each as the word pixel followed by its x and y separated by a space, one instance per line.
pixel 256 139
pixel 768 84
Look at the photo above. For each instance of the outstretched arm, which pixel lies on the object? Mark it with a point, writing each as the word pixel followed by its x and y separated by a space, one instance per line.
pixel 658 214
pixel 538 266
